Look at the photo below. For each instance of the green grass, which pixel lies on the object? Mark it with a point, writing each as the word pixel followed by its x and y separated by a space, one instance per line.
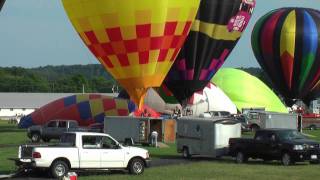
pixel 206 169
pixel 221 170
pixel 10 134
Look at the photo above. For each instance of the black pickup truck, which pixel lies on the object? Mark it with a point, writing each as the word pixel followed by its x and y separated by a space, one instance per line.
pixel 287 145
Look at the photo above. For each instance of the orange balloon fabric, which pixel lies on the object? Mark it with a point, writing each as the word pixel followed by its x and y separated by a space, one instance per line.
pixel 136 41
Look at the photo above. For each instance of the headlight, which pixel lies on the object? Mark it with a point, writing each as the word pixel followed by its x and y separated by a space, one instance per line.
pixel 298 147
pixel 147 155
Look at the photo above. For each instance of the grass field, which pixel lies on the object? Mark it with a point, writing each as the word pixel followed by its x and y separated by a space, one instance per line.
pixel 205 169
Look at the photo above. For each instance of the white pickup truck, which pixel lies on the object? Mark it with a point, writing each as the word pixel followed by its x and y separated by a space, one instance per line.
pixel 83 151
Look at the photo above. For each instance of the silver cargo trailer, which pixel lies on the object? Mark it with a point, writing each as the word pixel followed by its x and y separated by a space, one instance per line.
pixel 206 136
pixel 127 128
pixel 267 119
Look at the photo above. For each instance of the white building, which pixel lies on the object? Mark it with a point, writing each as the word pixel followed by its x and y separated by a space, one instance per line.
pixel 15 104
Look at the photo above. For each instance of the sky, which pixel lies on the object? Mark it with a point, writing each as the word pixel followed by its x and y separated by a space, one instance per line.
pixel 37 33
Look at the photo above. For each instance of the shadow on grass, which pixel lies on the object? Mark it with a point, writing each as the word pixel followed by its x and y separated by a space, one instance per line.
pixel 225 160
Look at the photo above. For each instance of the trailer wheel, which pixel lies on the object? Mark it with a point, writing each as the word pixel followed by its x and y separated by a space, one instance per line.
pixel 59 169
pixel 241 158
pixel 35 137
pixel 186 153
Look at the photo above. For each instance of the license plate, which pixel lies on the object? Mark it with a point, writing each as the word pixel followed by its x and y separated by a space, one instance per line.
pixel 314 157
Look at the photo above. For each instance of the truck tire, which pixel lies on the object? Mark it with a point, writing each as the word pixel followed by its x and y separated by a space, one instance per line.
pixel 35 137
pixel 136 166
pixel 240 157
pixel 59 169
pixel 185 153
pixel 313 127
pixel 254 128
pixel 286 159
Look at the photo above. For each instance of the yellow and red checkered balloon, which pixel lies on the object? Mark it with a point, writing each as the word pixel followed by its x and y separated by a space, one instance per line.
pixel 137 41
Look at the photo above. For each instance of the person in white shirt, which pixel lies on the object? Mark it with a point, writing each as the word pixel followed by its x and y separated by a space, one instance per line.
pixel 154 138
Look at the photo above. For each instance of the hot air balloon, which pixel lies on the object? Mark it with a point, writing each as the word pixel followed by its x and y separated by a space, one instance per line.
pixel 1 3
pixel 211 98
pixel 286 44
pixel 215 32
pixel 84 108
pixel 135 40
pixel 247 91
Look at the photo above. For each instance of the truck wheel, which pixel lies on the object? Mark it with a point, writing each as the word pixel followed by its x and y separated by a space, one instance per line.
pixel 186 153
pixel 136 166
pixel 286 159
pixel 59 169
pixel 254 128
pixel 313 127
pixel 240 158
pixel 35 137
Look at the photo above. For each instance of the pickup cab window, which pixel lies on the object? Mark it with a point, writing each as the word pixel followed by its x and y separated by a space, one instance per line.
pixel 72 124
pixel 261 136
pixel 91 142
pixel 52 124
pixel 68 140
pixel 108 143
pixel 62 124
pixel 290 135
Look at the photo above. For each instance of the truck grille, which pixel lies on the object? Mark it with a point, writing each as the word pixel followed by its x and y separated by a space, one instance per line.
pixel 25 152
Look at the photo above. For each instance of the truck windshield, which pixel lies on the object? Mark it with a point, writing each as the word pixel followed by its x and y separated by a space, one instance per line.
pixel 67 140
pixel 290 135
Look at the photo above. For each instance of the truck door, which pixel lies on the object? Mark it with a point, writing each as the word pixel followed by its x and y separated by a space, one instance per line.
pixel 49 130
pixel 112 155
pixel 89 153
pixel 260 144
pixel 272 150
pixel 62 127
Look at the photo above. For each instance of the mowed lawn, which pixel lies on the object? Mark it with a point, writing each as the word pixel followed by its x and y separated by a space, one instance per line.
pixel 202 168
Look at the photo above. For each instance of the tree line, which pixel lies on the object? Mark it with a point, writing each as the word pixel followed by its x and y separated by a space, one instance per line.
pixel 70 79
pixel 56 79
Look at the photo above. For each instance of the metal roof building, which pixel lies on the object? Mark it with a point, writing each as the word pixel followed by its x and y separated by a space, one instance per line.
pixel 33 100
pixel 19 104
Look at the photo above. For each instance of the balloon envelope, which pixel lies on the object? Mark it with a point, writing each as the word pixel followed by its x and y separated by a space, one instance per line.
pixel 135 40
pixel 286 44
pixel 247 91
pixel 211 98
pixel 215 32
pixel 1 3
pixel 84 108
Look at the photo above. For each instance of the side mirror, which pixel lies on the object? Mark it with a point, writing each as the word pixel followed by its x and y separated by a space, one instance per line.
pixel 118 146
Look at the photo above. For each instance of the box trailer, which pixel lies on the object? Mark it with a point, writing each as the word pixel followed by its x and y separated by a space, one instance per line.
pixel 129 129
pixel 267 119
pixel 206 136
